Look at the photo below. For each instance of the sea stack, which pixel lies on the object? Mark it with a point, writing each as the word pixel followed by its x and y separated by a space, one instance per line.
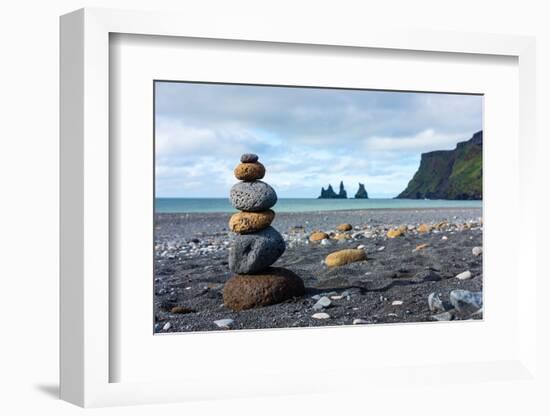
pixel 257 245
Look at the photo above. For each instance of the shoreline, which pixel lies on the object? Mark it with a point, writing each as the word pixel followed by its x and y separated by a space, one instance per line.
pixel 329 210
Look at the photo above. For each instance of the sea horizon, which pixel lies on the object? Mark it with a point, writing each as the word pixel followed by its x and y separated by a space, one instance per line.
pixel 222 205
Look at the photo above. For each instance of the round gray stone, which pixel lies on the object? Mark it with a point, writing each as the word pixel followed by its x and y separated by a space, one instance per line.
pixel 252 196
pixel 249 158
pixel 253 253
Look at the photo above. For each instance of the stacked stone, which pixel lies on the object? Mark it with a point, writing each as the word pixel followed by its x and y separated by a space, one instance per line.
pixel 257 245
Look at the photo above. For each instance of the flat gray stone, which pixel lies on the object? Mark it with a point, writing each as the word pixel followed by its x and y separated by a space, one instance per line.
pixel 224 323
pixel 252 196
pixel 466 302
pixel 253 253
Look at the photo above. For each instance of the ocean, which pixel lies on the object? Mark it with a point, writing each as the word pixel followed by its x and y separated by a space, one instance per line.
pixel 179 205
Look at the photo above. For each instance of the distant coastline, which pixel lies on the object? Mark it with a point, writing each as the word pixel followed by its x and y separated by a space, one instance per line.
pixel 204 205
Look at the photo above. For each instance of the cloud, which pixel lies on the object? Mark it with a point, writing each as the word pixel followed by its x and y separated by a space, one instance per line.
pixel 423 141
pixel 306 137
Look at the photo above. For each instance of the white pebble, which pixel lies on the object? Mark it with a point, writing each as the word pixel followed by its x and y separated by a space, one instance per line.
pixel 167 326
pixel 444 238
pixel 464 275
pixel 322 303
pixel 337 297
pixel 320 315
pixel 397 302
pixel 476 251
pixel 360 247
pixel 381 248
pixel 360 322
pixel 224 323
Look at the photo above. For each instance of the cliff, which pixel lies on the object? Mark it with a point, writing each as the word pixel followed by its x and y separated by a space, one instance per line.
pixel 449 174
pixel 330 194
pixel 362 192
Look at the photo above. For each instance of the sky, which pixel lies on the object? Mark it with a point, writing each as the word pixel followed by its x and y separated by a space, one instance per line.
pixel 305 137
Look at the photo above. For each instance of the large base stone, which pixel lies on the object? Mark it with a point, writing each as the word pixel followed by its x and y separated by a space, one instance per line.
pixel 274 285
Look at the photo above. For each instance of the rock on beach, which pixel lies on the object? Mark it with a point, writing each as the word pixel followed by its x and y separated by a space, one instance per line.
pixel 274 285
pixel 339 258
pixel 318 236
pixel 344 227
pixel 251 253
pixel 252 196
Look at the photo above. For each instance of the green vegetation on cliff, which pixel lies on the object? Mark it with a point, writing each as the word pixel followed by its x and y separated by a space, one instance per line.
pixel 449 174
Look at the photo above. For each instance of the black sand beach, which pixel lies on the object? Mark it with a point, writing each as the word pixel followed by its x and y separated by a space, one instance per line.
pixel 392 286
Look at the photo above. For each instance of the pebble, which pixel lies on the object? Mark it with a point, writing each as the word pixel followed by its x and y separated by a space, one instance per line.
pixel 444 316
pixel 322 303
pixel 465 301
pixel 224 323
pixel 476 251
pixel 360 321
pixel 421 247
pixel 166 326
pixel 434 303
pixel 444 238
pixel 337 297
pixel 464 275
pixel 342 257
pixel 316 297
pixel 381 248
pixel 320 315
pixel 360 247
pixel 344 227
pixel 325 242
pixel 397 302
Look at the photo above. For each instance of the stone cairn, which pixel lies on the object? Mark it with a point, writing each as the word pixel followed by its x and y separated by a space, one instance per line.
pixel 257 245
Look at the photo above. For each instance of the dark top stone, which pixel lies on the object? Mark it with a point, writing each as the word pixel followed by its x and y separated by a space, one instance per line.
pixel 249 158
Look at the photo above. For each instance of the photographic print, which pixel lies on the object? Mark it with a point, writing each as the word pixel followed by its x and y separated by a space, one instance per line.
pixel 294 207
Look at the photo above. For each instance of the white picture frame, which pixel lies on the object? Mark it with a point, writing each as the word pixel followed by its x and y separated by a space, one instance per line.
pixel 86 166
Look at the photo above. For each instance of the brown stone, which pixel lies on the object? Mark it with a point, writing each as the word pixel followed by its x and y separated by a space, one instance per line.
pixel 274 285
pixel 394 232
pixel 424 228
pixel 250 222
pixel 344 227
pixel 339 258
pixel 342 236
pixel 249 171
pixel 317 236
pixel 421 247
pixel 181 310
